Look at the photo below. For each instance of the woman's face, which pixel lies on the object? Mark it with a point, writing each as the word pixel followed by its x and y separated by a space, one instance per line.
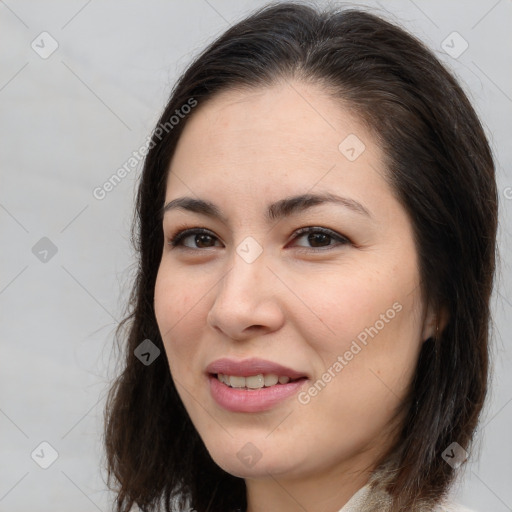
pixel 332 313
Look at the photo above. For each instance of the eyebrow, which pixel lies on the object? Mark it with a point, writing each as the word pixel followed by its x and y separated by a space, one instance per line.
pixel 278 210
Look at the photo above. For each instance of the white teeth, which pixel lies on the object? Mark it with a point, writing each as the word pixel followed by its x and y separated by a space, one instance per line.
pixel 253 381
pixel 236 382
pixel 271 380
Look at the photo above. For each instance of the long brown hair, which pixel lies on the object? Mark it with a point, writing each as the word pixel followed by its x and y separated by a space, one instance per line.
pixel 441 169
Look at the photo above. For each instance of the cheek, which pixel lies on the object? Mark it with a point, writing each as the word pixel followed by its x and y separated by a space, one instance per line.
pixel 178 310
pixel 373 321
pixel 366 383
pixel 342 304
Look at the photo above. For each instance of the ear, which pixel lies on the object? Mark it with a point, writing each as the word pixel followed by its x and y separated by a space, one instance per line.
pixel 434 322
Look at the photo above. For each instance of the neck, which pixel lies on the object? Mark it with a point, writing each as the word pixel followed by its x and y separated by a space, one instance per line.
pixel 322 492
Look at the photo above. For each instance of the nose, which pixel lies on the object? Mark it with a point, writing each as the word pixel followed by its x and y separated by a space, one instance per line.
pixel 246 301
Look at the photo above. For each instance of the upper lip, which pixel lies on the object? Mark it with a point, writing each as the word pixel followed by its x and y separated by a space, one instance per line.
pixel 252 366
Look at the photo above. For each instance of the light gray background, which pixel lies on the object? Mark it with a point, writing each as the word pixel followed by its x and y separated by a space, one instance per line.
pixel 68 122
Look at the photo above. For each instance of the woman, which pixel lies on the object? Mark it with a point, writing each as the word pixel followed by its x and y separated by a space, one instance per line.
pixel 316 225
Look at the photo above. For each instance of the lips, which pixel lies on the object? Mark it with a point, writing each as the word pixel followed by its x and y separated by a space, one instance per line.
pixel 251 367
pixel 252 385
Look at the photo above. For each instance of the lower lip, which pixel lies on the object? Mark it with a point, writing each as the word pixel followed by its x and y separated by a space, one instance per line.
pixel 251 400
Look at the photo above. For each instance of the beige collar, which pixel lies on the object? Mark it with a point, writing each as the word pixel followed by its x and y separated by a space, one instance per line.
pixel 365 500
pixel 368 500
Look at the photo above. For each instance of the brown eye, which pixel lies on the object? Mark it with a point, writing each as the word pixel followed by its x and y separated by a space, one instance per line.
pixel 204 240
pixel 194 239
pixel 318 238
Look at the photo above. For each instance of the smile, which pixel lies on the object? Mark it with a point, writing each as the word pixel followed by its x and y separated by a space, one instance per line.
pixel 254 381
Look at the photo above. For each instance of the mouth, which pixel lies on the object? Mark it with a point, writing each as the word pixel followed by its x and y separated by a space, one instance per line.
pixel 254 382
pixel 253 369
pixel 252 385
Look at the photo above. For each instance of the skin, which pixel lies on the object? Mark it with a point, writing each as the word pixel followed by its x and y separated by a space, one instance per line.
pixel 302 308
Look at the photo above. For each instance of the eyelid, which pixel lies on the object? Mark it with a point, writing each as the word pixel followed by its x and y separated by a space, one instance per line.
pixel 183 232
pixel 318 229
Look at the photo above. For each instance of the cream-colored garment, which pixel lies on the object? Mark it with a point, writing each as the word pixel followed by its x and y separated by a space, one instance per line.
pixel 365 500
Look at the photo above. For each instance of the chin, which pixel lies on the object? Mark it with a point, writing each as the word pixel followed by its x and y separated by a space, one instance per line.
pixel 245 460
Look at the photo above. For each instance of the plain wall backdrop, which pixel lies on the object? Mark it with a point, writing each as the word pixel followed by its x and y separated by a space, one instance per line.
pixel 82 84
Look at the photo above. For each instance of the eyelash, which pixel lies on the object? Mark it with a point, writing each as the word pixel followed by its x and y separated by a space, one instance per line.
pixel 181 234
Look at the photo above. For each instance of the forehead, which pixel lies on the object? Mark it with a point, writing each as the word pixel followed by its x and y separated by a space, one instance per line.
pixel 282 121
pixel 291 136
